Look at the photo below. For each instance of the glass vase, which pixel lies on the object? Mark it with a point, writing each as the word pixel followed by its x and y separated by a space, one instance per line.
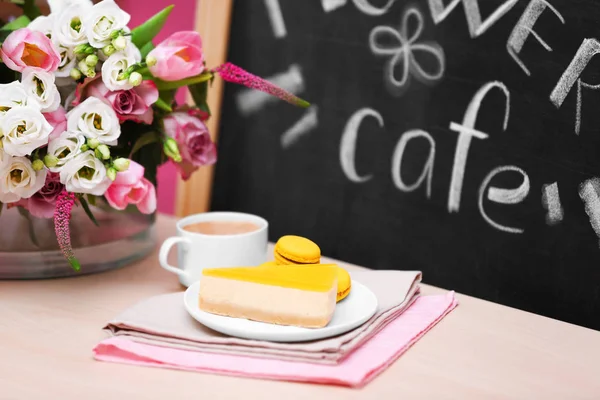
pixel 29 249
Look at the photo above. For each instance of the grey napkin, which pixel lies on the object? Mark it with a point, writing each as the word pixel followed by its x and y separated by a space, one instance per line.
pixel 163 321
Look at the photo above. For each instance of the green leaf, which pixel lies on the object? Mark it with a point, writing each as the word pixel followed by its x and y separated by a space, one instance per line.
pixel 199 93
pixel 17 23
pixel 146 49
pixel 144 140
pixel 4 34
pixel 167 85
pixel 167 95
pixel 91 199
pixel 25 214
pixel 161 104
pixel 87 210
pixel 30 9
pixel 143 34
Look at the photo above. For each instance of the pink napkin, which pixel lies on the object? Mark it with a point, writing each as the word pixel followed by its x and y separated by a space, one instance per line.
pixel 162 321
pixel 356 370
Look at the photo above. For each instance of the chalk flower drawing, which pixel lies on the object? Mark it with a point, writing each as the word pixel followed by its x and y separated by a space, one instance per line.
pixel 403 51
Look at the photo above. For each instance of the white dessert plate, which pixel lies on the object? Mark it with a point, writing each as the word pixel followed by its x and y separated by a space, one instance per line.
pixel 353 311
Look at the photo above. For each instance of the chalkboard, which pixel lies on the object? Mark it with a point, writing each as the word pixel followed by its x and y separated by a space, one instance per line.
pixel 460 138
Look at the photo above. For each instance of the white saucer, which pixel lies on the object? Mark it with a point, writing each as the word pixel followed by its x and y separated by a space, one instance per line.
pixel 353 311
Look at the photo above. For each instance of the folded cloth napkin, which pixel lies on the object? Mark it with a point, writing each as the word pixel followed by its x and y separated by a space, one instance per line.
pixel 163 321
pixel 356 370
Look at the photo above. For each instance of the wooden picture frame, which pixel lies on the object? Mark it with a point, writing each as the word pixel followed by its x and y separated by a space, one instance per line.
pixel 213 20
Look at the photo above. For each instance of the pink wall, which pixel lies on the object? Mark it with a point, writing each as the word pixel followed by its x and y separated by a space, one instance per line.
pixel 182 18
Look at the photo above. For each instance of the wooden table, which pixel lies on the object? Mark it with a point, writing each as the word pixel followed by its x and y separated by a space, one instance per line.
pixel 481 350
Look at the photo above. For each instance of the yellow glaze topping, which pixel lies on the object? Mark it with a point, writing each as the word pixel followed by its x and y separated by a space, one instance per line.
pixel 314 278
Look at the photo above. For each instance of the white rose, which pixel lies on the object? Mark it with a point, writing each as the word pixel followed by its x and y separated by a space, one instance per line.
pixel 44 24
pixel 25 129
pixel 18 180
pixel 85 174
pixel 114 66
pixel 69 30
pixel 12 95
pixel 95 119
pixel 41 89
pixel 102 20
pixel 65 147
pixel 4 159
pixel 57 6
pixel 68 61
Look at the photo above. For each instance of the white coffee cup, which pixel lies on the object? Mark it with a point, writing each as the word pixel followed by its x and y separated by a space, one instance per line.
pixel 197 251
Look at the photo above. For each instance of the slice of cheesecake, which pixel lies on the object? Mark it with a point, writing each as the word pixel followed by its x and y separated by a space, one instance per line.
pixel 303 296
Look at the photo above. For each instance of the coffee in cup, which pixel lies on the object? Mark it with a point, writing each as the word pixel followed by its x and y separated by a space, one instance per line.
pixel 215 240
pixel 222 227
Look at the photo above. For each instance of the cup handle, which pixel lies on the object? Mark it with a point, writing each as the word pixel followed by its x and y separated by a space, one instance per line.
pixel 164 254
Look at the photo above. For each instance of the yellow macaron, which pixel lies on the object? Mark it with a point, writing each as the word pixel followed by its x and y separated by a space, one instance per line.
pixel 292 249
pixel 344 284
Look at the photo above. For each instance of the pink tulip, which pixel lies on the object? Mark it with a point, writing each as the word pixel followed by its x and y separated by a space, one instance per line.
pixel 26 48
pixel 130 187
pixel 58 120
pixel 133 104
pixel 195 144
pixel 179 56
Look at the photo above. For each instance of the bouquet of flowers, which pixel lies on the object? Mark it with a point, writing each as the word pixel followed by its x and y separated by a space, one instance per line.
pixel 87 109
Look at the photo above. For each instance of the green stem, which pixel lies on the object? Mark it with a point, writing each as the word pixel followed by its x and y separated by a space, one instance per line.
pixel 165 85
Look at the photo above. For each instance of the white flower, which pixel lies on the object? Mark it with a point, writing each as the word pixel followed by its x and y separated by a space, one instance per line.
pixel 65 147
pixel 4 159
pixel 95 119
pixel 12 95
pixel 102 20
pixel 18 180
pixel 44 24
pixel 68 61
pixel 115 65
pixel 57 6
pixel 25 129
pixel 69 30
pixel 41 89
pixel 85 174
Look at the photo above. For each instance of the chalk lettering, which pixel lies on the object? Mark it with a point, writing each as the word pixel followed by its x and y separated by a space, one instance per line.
pixel 589 193
pixel 303 126
pixel 366 7
pixel 477 27
pixel 427 169
pixel 524 28
pixel 348 143
pixel 403 50
pixel 330 5
pixel 551 202
pixel 588 49
pixel 250 101
pixel 503 196
pixel 276 17
pixel 466 132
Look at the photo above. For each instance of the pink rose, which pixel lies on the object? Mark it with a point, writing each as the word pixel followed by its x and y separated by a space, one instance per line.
pixel 133 104
pixel 195 144
pixel 43 203
pixel 26 48
pixel 130 187
pixel 58 120
pixel 179 56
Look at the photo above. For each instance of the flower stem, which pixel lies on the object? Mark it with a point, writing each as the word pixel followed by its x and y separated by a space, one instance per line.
pixel 168 85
